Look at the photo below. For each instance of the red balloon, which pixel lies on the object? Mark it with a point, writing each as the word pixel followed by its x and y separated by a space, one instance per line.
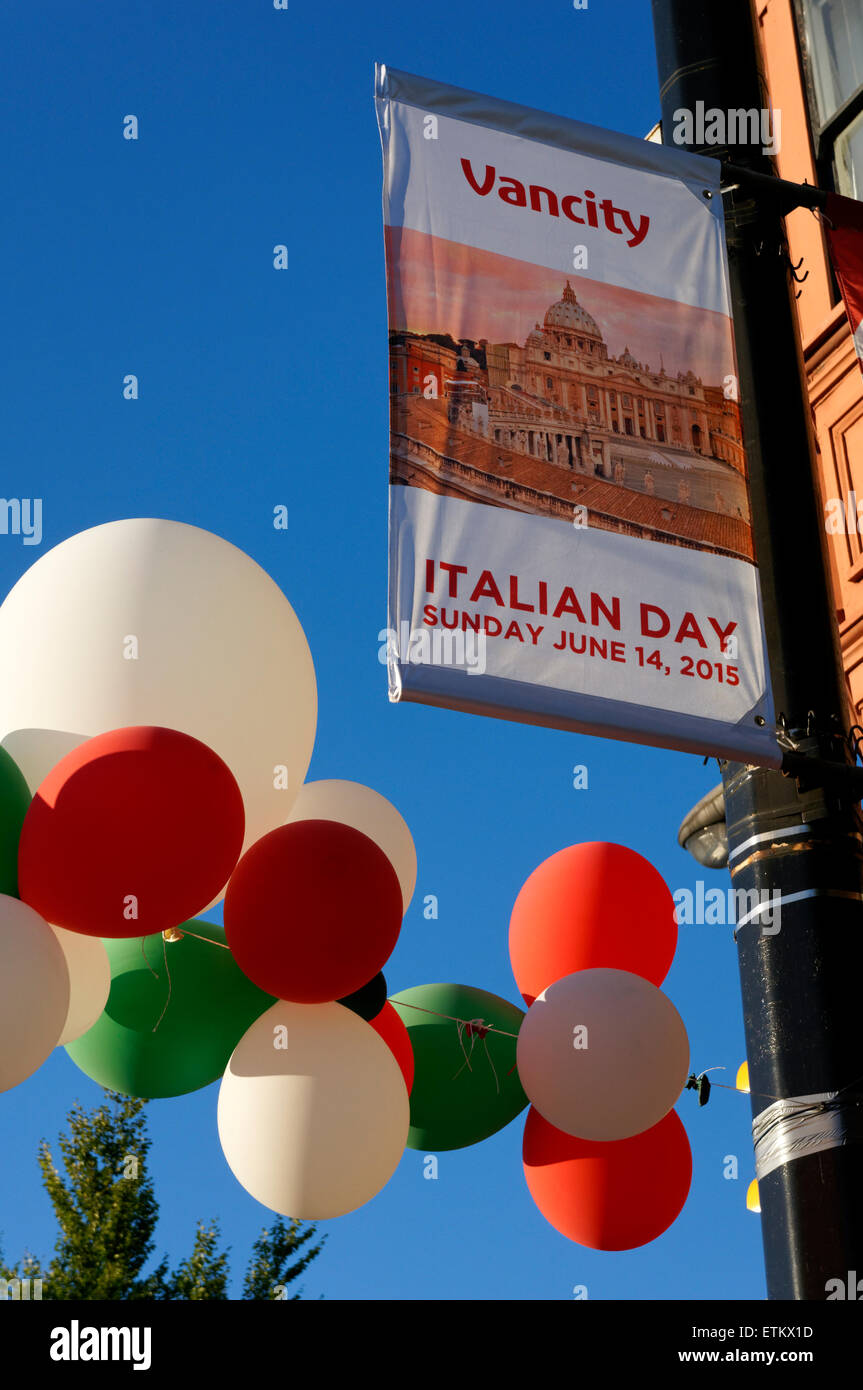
pixel 608 1196
pixel 397 1039
pixel 590 906
pixel 313 911
pixel 132 832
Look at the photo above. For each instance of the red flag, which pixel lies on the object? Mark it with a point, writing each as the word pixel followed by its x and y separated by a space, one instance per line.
pixel 844 220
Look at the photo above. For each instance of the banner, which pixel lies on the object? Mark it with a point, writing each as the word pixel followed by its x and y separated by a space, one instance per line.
pixel 570 529
pixel 844 226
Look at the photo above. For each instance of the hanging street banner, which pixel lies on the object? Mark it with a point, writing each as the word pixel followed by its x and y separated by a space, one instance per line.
pixel 570 528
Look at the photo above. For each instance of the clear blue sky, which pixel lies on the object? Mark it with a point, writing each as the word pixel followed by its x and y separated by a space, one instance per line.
pixel 260 387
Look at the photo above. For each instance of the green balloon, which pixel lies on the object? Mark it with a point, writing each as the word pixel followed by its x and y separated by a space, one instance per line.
pixel 465 1088
pixel 210 1005
pixel 14 799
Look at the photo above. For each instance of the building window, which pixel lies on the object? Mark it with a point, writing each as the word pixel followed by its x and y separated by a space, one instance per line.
pixel 831 41
pixel 547 356
pixel 660 431
pixel 848 156
pixel 627 402
pixel 549 384
pixel 627 425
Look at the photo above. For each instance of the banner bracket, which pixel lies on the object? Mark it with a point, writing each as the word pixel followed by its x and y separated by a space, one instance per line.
pixel 787 195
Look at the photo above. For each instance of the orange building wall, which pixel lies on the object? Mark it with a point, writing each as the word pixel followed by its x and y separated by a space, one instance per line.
pixel 833 373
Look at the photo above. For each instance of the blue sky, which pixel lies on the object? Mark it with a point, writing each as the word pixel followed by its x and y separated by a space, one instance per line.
pixel 260 387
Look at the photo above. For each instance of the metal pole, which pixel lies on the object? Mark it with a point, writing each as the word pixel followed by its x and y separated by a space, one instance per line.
pixel 801 971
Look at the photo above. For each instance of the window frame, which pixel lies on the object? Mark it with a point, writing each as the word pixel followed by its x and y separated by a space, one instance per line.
pixel 823 135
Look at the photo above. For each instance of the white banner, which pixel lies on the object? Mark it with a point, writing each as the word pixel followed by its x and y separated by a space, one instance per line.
pixel 570 529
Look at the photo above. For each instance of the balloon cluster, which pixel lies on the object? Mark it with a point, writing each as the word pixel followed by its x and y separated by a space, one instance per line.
pixel 160 704
pixel 313 1108
pixel 602 1054
pixel 157 721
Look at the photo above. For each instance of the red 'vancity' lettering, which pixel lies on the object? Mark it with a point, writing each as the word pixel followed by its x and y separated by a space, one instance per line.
pixel 541 199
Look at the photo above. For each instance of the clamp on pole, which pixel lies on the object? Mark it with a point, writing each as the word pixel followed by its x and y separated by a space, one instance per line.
pixel 787 195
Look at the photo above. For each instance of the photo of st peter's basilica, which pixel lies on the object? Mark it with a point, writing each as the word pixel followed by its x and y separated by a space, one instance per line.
pixel 557 424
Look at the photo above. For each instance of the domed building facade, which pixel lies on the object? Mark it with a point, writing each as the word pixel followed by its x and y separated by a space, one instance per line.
pixel 557 421
pixel 563 398
pixel 567 316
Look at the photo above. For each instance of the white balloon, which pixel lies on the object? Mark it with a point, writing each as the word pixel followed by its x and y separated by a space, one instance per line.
pixel 146 621
pixel 603 1054
pixel 34 991
pixel 313 1111
pixel 89 981
pixel 353 804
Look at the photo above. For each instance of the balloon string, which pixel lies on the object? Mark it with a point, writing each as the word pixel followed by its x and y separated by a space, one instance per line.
pixel 762 1095
pixel 467 1056
pixel 463 1021
pixel 209 940
pixel 491 1064
pixel 170 984
pixel 153 972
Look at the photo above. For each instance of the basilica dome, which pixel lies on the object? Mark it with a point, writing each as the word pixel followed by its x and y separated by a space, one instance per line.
pixel 568 314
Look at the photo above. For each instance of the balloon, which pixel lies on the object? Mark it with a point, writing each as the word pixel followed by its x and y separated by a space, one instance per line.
pixel 608 1196
pixel 313 1111
pixel 368 811
pixel 175 1013
pixel 368 1001
pixel 313 911
pixel 603 1054
pixel 89 981
pixel 587 906
pixel 147 621
pixel 34 991
pixel 14 800
pixel 36 751
pixel 389 1026
pixel 465 1086
pixel 131 833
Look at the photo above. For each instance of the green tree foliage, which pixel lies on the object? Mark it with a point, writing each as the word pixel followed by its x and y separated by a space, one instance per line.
pixel 275 1261
pixel 107 1212
pixel 204 1274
